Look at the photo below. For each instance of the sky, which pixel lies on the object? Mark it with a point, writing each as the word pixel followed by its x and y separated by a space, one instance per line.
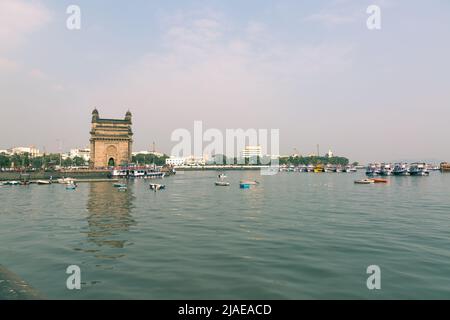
pixel 311 69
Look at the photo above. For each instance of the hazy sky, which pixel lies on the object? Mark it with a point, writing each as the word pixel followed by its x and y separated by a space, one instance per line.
pixel 309 68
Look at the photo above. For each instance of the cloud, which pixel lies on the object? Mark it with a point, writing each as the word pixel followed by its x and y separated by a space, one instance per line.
pixel 207 64
pixel 18 19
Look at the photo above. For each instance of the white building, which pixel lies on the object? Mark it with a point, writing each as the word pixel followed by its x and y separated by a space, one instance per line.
pixel 32 151
pixel 154 153
pixel 175 161
pixel 80 153
pixel 186 161
pixel 330 154
pixel 251 152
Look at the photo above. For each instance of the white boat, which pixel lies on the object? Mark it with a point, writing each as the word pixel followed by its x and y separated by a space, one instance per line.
pixel 222 184
pixel 401 169
pixel 71 186
pixel 365 181
pixel 386 169
pixel 66 180
pixel 156 187
pixel 43 182
pixel 419 169
pixel 11 183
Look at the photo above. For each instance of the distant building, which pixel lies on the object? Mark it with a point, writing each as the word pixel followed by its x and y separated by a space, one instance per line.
pixel 175 161
pixel 251 152
pixel 330 154
pixel 80 153
pixel 32 151
pixel 7 152
pixel 186 161
pixel 154 153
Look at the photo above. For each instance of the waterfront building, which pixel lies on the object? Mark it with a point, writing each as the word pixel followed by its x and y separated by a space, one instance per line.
pixel 251 152
pixel 32 151
pixel 175 161
pixel 186 161
pixel 80 153
pixel 111 141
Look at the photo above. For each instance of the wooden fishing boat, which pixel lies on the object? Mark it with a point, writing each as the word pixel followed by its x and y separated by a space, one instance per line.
pixel 365 181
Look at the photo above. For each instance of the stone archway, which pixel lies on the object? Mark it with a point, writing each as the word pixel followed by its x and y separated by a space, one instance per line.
pixel 111 162
pixel 111 156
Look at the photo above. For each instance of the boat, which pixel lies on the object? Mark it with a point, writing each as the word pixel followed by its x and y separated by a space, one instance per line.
pixel 155 175
pixel 310 168
pixel 222 184
pixel 380 180
pixel 419 169
pixel 11 183
pixel 386 169
pixel 65 180
pixel 445 167
pixel 400 169
pixel 365 181
pixel 156 187
pixel 372 170
pixel 71 186
pixel 119 185
pixel 122 189
pixel 244 185
pixel 43 182
pixel 319 169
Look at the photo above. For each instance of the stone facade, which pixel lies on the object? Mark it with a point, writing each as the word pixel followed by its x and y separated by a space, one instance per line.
pixel 111 141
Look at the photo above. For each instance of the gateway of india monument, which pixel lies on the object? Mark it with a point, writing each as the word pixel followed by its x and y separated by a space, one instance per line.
pixel 111 141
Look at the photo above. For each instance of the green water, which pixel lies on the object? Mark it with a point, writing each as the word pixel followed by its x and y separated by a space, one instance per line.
pixel 294 236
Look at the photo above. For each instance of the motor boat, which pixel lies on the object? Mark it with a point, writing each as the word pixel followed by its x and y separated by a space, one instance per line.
pixel 222 184
pixel 419 169
pixel 401 169
pixel 156 187
pixel 365 181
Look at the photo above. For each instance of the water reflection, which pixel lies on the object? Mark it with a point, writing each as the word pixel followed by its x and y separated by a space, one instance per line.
pixel 109 215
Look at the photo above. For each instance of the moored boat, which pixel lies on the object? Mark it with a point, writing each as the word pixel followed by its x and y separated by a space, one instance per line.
pixel 119 185
pixel 365 181
pixel 377 180
pixel 400 169
pixel 43 182
pixel 222 184
pixel 419 169
pixel 156 187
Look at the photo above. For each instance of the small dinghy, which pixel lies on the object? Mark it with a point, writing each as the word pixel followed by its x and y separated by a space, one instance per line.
pixel 380 180
pixel 119 185
pixel 122 189
pixel 71 186
pixel 222 184
pixel 365 181
pixel 244 186
pixel 156 187
pixel 43 182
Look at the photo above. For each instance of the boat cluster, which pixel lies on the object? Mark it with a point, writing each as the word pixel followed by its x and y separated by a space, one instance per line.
pixel 139 173
pixel 318 168
pixel 398 169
